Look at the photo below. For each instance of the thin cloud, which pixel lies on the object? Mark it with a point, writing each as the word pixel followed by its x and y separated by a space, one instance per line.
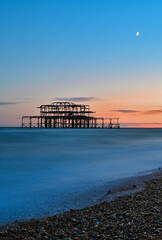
pixel 130 124
pixel 125 111
pixel 153 112
pixel 26 99
pixel 76 99
pixel 138 124
pixel 148 112
pixel 11 103
pixel 8 103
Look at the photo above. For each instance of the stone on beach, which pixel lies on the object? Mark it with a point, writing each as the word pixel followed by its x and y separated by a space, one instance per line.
pixel 134 216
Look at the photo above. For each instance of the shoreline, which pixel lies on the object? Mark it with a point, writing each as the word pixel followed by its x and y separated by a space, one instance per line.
pixel 126 192
pixel 129 185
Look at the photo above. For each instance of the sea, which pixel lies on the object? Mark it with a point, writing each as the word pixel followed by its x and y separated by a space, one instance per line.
pixel 48 171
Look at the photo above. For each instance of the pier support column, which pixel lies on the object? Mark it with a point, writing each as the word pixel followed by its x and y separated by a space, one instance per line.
pixel 92 122
pixel 45 122
pixel 95 123
pixel 88 123
pixel 49 124
pixel 102 122
pixel 41 122
pixel 22 123
pixel 30 124
pixel 84 123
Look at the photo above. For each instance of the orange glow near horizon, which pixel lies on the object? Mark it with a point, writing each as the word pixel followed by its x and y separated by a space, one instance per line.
pixel 127 107
pixel 130 110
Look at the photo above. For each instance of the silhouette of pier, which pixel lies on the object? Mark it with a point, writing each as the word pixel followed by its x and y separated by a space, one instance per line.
pixel 67 115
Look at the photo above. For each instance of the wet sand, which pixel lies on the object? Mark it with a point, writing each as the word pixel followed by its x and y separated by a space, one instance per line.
pixel 131 210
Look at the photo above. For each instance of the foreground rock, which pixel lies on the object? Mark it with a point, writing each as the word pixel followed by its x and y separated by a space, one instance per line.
pixel 135 216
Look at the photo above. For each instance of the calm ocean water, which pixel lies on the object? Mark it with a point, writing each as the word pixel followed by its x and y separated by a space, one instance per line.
pixel 43 172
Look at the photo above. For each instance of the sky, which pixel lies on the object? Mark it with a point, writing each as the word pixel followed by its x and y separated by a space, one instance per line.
pixel 83 51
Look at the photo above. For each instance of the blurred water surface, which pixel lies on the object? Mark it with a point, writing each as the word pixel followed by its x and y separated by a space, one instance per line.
pixel 46 171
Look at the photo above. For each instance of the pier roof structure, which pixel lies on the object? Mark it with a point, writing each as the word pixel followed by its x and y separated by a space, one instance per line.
pixel 67 115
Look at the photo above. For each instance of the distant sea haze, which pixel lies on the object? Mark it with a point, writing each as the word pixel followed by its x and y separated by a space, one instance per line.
pixel 43 171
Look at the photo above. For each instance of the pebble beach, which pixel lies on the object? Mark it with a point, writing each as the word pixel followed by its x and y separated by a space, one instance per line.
pixel 130 216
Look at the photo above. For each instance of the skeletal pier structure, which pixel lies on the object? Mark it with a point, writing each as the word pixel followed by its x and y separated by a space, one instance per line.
pixel 67 115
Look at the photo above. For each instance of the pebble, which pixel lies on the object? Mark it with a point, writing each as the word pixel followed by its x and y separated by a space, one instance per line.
pixel 136 216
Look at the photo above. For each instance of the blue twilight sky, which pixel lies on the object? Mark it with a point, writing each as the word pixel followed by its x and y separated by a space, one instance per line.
pixel 88 48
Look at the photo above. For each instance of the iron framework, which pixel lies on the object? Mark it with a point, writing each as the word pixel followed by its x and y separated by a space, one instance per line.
pixel 67 115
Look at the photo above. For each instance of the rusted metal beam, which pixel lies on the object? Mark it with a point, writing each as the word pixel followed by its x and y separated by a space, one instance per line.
pixel 68 115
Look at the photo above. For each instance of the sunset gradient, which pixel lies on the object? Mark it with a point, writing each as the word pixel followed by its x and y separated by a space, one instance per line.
pixel 82 50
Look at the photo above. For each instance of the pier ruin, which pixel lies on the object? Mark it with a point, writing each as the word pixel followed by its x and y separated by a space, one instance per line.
pixel 67 115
